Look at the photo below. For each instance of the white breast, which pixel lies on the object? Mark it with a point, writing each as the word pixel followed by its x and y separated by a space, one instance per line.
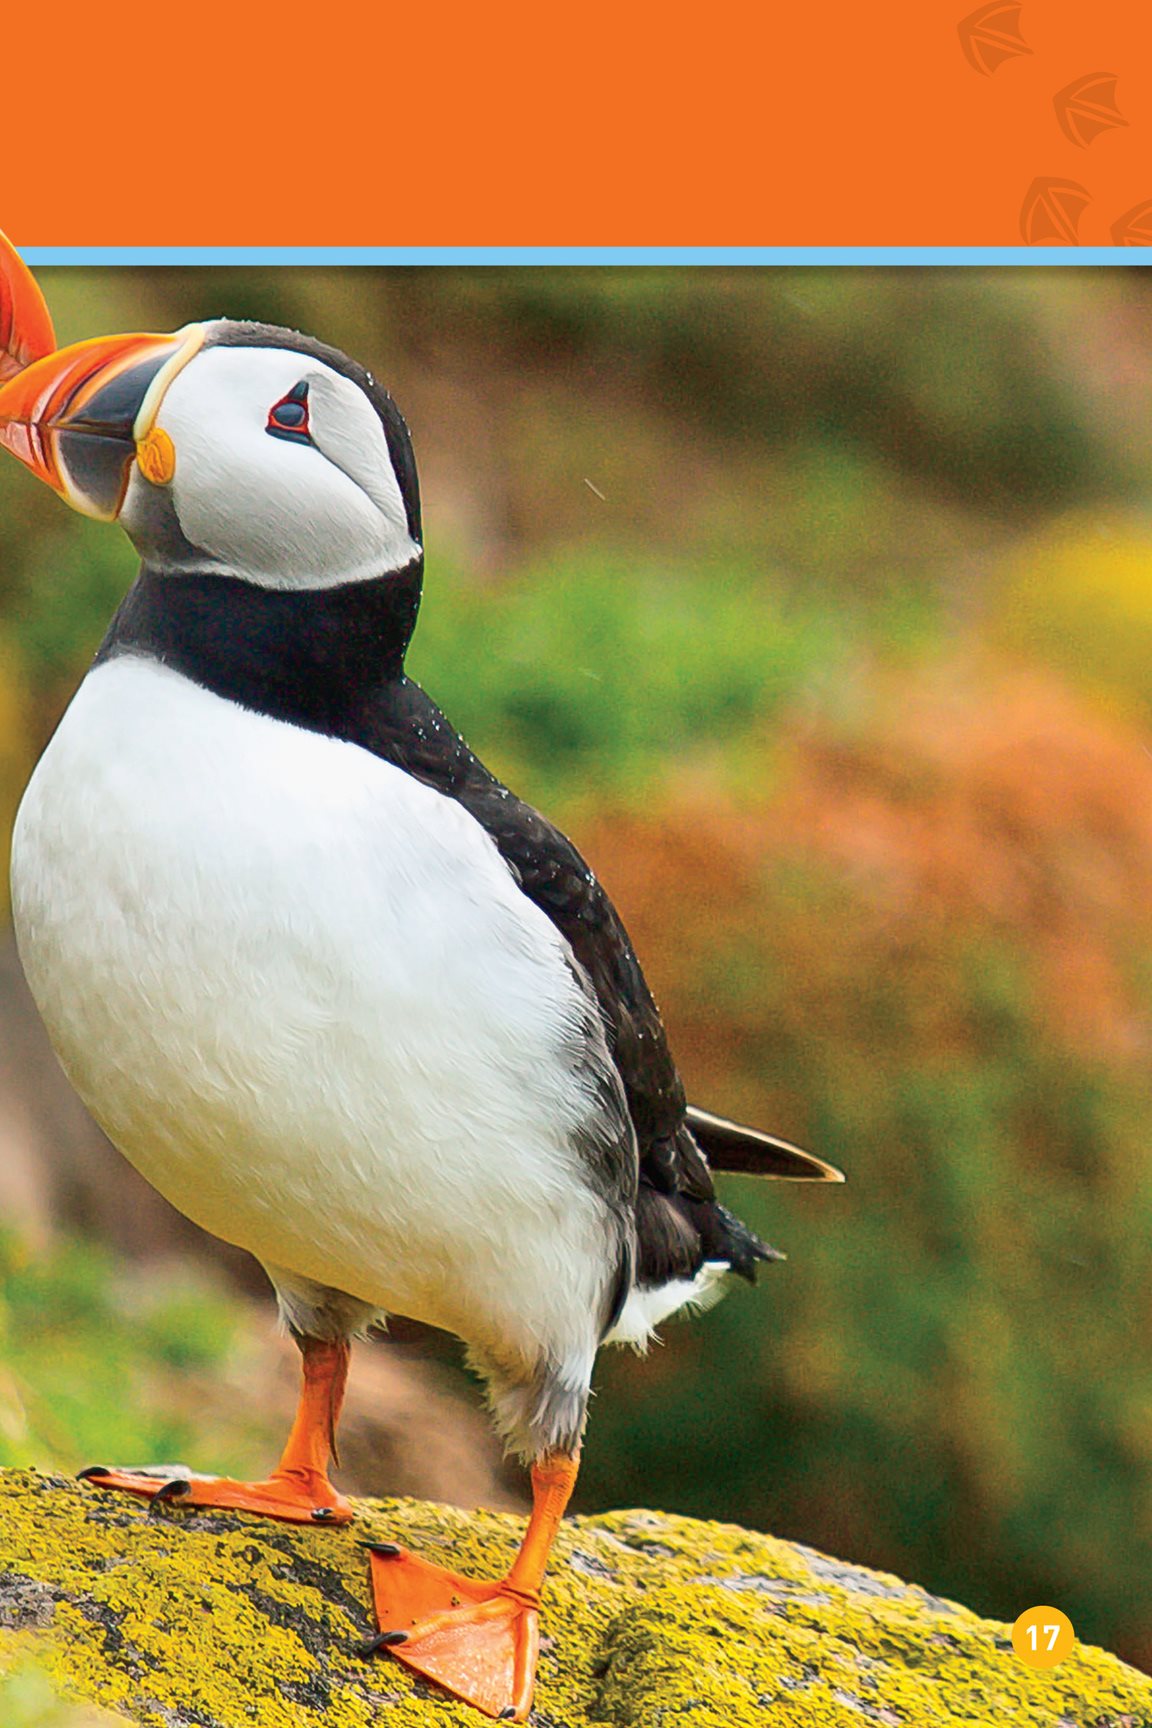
pixel 304 996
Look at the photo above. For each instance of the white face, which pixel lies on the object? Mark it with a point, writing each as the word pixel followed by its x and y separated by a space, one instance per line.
pixel 304 511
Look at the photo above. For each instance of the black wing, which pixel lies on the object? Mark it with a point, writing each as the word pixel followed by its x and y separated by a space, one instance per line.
pixel 679 1223
pixel 554 876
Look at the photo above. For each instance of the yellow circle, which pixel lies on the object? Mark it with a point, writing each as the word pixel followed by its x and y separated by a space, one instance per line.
pixel 1042 1637
pixel 156 455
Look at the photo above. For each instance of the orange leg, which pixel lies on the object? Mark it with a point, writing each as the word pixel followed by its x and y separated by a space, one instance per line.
pixel 478 1640
pixel 298 1489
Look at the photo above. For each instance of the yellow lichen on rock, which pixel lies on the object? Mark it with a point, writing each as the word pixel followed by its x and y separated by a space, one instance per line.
pixel 220 1620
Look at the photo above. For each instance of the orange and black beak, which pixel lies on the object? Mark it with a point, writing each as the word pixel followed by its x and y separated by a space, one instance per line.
pixel 80 416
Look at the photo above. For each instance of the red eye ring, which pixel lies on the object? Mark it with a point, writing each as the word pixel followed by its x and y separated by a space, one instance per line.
pixel 288 418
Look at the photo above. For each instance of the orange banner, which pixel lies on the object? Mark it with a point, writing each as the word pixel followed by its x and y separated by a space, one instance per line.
pixel 912 124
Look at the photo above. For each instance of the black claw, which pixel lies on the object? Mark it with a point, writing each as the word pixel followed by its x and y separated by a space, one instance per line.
pixel 321 1514
pixel 174 1490
pixel 93 1470
pixel 386 1550
pixel 381 1642
pixel 507 1714
pixel 169 1492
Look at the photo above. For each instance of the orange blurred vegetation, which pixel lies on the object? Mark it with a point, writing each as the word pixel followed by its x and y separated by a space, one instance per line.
pixel 923 950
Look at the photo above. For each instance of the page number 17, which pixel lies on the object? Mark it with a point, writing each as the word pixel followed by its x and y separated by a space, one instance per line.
pixel 1042 1637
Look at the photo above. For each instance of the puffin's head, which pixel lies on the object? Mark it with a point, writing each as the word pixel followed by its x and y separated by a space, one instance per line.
pixel 240 449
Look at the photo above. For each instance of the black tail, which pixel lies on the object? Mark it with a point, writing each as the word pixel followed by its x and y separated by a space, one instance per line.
pixel 677 1235
pixel 741 1247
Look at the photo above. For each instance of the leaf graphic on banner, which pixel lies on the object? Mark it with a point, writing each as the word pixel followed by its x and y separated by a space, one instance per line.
pixel 991 35
pixel 1087 107
pixel 1134 228
pixel 1051 212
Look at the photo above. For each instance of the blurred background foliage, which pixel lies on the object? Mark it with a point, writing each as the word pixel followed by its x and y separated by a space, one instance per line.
pixel 817 605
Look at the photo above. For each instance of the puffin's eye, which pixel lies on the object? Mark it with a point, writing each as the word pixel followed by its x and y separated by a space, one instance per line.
pixel 288 418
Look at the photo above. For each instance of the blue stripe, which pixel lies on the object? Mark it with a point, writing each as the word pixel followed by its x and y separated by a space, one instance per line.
pixel 38 256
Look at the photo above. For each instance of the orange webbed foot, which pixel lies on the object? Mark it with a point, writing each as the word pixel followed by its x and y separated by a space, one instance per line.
pixel 297 1496
pixel 478 1640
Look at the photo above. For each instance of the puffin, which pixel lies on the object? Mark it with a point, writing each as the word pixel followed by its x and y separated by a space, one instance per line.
pixel 338 993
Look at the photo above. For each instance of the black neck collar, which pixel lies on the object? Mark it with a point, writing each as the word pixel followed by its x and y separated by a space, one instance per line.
pixel 317 657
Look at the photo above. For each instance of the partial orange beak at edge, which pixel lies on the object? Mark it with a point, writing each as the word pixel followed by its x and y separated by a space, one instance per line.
pixel 26 332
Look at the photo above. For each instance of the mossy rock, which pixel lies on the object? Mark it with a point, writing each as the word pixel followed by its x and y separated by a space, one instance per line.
pixel 220 1620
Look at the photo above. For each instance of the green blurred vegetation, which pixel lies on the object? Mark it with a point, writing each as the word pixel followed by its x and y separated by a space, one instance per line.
pixel 28 1699
pixel 587 674
pixel 818 605
pixel 100 1361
